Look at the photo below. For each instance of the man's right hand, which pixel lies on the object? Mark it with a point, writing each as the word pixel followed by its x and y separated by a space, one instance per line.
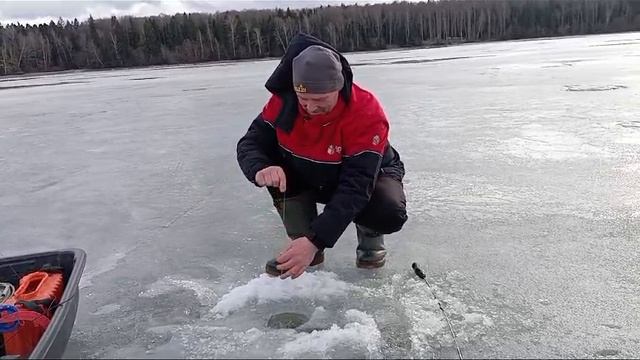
pixel 272 176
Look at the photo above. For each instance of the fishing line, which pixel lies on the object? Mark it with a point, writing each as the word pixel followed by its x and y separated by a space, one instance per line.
pixel 422 276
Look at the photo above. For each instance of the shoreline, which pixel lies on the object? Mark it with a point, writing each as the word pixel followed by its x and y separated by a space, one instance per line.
pixel 28 75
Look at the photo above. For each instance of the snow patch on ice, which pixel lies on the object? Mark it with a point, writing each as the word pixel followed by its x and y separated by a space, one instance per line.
pixel 360 333
pixel 440 195
pixel 631 167
pixel 329 333
pixel 629 139
pixel 103 265
pixel 423 315
pixel 318 285
pixel 106 309
pixel 171 283
pixel 359 336
pixel 477 318
pixel 593 87
pixel 428 328
pixel 538 142
pixel 217 341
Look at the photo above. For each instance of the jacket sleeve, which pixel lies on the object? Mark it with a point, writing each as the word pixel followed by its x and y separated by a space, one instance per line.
pixel 258 148
pixel 364 141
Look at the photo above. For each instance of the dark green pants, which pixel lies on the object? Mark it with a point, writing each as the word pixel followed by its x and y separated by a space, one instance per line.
pixel 384 214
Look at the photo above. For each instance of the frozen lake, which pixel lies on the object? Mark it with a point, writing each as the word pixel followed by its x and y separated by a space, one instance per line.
pixel 523 168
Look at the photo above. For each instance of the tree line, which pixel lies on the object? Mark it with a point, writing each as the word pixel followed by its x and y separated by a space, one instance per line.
pixel 231 35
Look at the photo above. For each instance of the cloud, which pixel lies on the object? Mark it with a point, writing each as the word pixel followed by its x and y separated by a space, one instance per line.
pixel 34 12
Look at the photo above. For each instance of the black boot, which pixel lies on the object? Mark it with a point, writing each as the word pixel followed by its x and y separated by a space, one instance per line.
pixel 297 213
pixel 371 251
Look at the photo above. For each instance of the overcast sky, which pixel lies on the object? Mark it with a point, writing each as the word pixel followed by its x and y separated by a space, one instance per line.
pixel 29 11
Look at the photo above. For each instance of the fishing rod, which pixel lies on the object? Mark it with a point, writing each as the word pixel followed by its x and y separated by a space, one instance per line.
pixel 422 276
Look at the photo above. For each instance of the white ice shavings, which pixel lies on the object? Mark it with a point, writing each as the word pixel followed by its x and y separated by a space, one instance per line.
pixel 359 336
pixel 318 285
pixel 360 333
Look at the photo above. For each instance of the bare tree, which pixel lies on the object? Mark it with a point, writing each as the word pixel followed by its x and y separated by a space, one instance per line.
pixel 281 31
pixel 210 38
pixel 258 35
pixel 233 22
pixel 407 28
pixel 247 29
pixel 45 51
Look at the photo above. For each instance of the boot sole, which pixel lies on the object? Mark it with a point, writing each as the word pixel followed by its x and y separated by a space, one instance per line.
pixel 370 264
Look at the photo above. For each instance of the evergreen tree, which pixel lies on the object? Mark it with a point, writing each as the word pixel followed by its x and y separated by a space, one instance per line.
pixel 187 38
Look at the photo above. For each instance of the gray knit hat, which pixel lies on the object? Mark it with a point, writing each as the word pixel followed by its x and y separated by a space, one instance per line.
pixel 317 70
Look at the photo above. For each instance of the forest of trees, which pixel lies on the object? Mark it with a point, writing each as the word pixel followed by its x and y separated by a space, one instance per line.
pixel 189 38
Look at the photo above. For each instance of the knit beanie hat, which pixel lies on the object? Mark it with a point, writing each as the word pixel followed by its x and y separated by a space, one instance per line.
pixel 317 70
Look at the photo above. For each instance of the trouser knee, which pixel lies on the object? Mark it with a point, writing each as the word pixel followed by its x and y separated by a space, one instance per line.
pixel 388 222
pixel 297 213
pixel 386 212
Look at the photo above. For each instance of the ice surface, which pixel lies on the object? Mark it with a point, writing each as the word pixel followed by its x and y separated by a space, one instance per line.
pixel 522 184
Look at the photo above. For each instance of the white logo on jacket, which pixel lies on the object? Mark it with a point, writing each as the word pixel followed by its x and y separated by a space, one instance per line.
pixel 334 149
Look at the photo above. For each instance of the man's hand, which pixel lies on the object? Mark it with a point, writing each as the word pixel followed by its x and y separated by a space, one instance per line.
pixel 272 176
pixel 296 257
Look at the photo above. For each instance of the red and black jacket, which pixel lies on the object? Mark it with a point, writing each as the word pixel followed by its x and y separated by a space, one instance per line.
pixel 339 154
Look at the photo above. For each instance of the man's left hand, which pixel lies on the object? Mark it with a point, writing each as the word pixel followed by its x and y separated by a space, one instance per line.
pixel 296 257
